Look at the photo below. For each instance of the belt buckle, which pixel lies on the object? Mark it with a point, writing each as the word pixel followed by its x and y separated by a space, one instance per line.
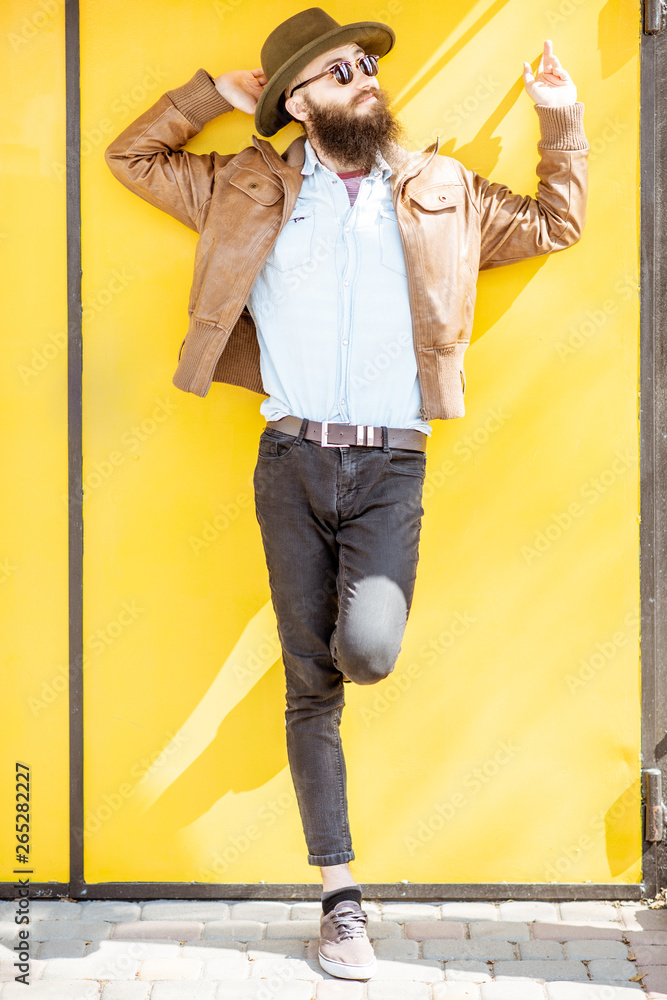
pixel 324 441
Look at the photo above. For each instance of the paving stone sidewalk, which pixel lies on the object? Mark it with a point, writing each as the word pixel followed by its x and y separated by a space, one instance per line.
pixel 255 950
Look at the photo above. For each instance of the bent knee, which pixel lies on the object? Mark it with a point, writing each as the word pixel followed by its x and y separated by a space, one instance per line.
pixel 367 665
pixel 368 638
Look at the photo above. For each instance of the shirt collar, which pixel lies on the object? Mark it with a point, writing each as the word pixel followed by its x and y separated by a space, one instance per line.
pixel 311 161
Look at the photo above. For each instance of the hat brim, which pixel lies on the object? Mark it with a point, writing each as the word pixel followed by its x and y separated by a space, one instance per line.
pixel 372 36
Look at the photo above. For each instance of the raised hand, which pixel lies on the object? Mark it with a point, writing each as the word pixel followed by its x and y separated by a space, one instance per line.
pixel 242 88
pixel 553 85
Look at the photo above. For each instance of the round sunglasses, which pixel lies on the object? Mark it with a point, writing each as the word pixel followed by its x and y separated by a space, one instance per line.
pixel 343 72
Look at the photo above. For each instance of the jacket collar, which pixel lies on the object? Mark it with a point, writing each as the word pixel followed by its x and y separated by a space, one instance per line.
pixel 413 165
pixel 312 161
pixel 294 156
pixel 288 167
pixel 294 159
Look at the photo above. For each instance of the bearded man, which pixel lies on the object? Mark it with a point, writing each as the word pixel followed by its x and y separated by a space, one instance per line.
pixel 339 280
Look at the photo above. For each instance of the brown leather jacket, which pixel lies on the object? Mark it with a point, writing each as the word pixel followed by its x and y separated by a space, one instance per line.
pixel 452 223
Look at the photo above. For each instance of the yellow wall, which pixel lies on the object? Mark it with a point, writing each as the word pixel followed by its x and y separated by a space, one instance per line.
pixel 33 387
pixel 505 747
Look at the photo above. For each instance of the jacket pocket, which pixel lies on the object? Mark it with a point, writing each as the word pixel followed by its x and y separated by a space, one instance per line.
pixel 257 186
pixel 438 197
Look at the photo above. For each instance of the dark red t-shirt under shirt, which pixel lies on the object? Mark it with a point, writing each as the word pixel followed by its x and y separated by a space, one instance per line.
pixel 352 179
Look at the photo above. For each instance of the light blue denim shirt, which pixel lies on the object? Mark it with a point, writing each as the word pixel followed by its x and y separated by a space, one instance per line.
pixel 332 311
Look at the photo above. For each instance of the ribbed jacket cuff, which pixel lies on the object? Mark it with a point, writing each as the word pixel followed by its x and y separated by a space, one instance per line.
pixel 562 128
pixel 199 100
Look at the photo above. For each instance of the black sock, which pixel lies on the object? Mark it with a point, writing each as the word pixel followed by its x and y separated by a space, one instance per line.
pixel 329 899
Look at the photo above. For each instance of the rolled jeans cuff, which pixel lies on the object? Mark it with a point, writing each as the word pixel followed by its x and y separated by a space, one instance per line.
pixel 331 859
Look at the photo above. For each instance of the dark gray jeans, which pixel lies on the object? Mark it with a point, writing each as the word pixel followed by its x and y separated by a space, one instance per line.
pixel 340 528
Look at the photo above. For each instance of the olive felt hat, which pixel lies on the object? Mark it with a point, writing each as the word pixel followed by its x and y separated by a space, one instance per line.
pixel 298 40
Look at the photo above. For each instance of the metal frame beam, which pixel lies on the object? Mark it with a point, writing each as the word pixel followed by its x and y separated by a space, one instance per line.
pixel 75 439
pixel 433 891
pixel 653 422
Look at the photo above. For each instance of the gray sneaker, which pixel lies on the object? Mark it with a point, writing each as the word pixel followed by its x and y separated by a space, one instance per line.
pixel 345 950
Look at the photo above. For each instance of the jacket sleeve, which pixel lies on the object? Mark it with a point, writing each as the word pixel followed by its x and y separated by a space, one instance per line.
pixel 147 156
pixel 514 227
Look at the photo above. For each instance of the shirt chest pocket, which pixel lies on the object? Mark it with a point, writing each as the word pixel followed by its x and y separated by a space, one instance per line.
pixel 391 248
pixel 294 246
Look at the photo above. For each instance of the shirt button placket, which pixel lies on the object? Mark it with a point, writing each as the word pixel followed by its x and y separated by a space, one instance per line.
pixel 347 312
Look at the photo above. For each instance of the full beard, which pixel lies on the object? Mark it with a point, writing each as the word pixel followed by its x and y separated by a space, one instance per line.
pixel 352 139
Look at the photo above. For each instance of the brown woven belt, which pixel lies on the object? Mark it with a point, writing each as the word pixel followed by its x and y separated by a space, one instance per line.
pixel 331 435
